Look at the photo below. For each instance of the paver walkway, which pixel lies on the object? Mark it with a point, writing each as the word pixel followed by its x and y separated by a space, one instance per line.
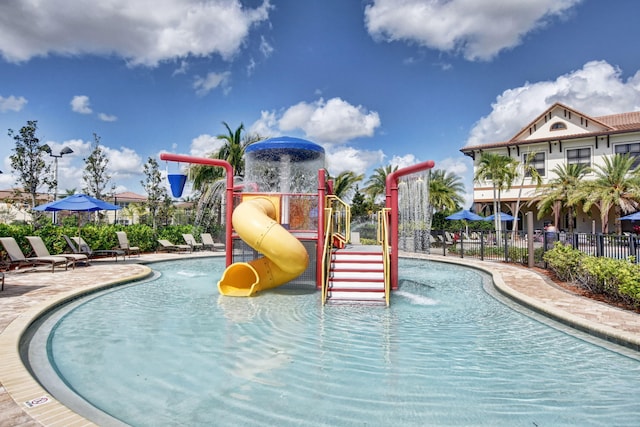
pixel 28 292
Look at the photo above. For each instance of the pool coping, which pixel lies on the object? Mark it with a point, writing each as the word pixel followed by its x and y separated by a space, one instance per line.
pixel 514 282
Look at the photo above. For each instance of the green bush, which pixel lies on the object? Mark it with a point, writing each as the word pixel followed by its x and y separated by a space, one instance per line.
pixel 564 261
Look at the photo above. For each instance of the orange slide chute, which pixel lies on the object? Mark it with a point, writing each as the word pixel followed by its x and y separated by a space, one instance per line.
pixel 285 258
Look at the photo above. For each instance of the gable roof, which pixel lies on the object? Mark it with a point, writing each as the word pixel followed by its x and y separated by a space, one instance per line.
pixel 571 124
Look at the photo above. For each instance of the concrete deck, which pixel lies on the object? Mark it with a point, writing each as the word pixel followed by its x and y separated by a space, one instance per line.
pixel 28 293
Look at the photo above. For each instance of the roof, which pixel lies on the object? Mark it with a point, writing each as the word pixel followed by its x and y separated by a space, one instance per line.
pixel 129 196
pixel 599 126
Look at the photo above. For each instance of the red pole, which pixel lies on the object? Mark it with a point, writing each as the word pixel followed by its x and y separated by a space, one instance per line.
pixel 229 172
pixel 320 243
pixel 391 202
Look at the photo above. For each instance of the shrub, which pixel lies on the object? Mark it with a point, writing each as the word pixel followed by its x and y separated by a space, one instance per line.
pixel 564 261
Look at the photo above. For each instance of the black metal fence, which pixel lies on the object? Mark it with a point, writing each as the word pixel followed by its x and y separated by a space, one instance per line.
pixel 514 247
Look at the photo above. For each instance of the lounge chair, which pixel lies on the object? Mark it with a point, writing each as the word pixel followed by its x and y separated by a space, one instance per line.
pixel 79 246
pixel 123 244
pixel 166 245
pixel 41 250
pixel 209 243
pixel 17 258
pixel 191 241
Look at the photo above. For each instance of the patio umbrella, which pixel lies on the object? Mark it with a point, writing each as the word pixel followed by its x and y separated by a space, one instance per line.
pixel 503 217
pixel 77 203
pixel 465 215
pixel 631 217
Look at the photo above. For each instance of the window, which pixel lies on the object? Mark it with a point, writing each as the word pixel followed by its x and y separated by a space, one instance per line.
pixel 579 156
pixel 558 126
pixel 632 150
pixel 537 162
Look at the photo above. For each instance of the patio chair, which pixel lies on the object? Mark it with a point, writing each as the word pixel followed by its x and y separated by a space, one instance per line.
pixel 17 258
pixel 123 244
pixel 41 250
pixel 79 246
pixel 191 241
pixel 166 245
pixel 209 243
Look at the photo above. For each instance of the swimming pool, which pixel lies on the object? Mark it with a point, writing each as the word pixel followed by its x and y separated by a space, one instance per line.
pixel 173 352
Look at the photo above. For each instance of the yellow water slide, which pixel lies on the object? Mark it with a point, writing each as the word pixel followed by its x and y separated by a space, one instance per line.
pixel 285 258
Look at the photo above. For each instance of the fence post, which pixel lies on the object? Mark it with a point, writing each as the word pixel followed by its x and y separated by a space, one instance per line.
pixel 599 244
pixel 530 248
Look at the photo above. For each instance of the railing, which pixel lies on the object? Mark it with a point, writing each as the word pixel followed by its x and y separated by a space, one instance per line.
pixel 340 217
pixel 326 253
pixel 383 239
pixel 337 228
pixel 514 247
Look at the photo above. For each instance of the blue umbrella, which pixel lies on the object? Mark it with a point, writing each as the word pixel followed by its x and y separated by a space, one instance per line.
pixel 632 217
pixel 466 215
pixel 77 203
pixel 503 217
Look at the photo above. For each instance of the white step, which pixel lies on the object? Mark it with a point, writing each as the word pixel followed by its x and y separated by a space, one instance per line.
pixel 357 257
pixel 342 285
pixel 357 275
pixel 357 296
pixel 357 266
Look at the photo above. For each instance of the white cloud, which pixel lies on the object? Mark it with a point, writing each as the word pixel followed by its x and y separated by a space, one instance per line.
pixel 403 161
pixel 204 85
pixel 203 145
pixel 333 121
pixel 477 29
pixel 340 159
pixel 596 89
pixel 123 161
pixel 80 104
pixel 143 32
pixel 12 103
pixel 107 117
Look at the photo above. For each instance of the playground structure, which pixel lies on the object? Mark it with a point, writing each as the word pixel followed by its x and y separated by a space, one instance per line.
pixel 285 227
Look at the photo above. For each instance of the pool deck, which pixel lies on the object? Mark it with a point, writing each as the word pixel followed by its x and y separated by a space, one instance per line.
pixel 28 293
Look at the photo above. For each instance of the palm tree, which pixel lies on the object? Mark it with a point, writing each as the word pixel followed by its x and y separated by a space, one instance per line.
pixel 617 186
pixel 207 179
pixel 376 184
pixel 526 169
pixel 501 171
pixel 346 183
pixel 445 190
pixel 560 192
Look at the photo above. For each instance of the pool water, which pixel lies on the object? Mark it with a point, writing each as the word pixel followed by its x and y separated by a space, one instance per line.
pixel 172 351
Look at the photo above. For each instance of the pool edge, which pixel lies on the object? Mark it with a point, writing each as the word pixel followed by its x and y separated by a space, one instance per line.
pixel 16 378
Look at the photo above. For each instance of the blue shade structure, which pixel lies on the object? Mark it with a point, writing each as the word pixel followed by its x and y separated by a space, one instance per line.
pixel 631 217
pixel 466 215
pixel 77 203
pixel 503 217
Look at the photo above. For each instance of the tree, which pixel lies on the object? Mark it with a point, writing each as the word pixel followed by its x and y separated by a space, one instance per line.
pixel 28 161
pixel 346 183
pixel 561 192
pixel 445 190
pixel 358 205
pixel 377 182
pixel 525 170
pixel 501 171
pixel 617 186
pixel 95 174
pixel 156 193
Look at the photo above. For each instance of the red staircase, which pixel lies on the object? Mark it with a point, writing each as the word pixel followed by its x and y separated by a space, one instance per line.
pixel 356 275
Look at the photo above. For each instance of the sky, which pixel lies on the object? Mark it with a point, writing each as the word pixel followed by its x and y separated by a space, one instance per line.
pixel 375 82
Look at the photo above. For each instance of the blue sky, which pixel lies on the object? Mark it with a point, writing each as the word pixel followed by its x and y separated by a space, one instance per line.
pixel 375 82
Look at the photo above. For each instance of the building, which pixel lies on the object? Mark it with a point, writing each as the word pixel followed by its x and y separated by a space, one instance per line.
pixel 15 205
pixel 132 205
pixel 559 135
